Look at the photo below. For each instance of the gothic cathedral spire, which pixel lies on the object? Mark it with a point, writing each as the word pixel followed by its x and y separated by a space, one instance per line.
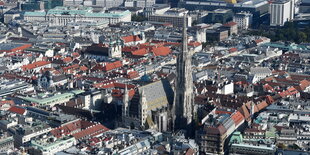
pixel 184 98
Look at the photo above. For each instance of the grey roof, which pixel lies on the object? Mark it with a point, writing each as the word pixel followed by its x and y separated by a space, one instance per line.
pixel 9 46
pixel 158 94
pixel 59 78
pixel 3 68
pixel 260 70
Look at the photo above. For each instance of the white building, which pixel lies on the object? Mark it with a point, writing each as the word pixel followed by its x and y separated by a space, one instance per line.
pixel 139 3
pixel 173 16
pixel 109 3
pixel 243 20
pixel 72 2
pixel 50 145
pixel 155 9
pixel 61 16
pixel 259 73
pixel 281 11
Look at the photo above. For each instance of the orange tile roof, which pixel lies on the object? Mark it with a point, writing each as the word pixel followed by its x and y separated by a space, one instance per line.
pixel 304 84
pixel 244 111
pixel 262 105
pixel 113 65
pixel 237 117
pixel 194 43
pixel 11 102
pixel 132 74
pixel 83 68
pixel 67 59
pixel 161 51
pixel 75 66
pixel 268 88
pixel 75 54
pixel 140 52
pixel 132 38
pixel 35 65
pixel 231 50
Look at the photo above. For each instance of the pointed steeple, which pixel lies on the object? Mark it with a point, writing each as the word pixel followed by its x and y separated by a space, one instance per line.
pixel 125 102
pixel 143 105
pixel 184 94
pixel 184 34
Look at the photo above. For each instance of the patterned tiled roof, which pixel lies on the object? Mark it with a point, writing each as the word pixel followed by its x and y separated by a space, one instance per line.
pixel 157 94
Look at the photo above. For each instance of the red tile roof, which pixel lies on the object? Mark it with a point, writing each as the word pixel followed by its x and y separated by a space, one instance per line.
pixel 259 41
pixel 304 84
pixel 237 117
pixel 75 54
pixel 244 111
pixel 71 128
pixel 91 131
pixel 267 87
pixel 161 51
pixel 229 24
pixel 67 59
pixel 11 102
pixel 269 99
pixel 35 65
pixel 194 43
pixel 231 50
pixel 113 65
pixel 128 39
pixel 140 52
pixel 83 68
pixel 132 74
pixel 262 105
pixel 129 48
pixel 17 110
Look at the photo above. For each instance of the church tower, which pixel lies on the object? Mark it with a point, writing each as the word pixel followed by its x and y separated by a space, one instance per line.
pixel 115 48
pixel 125 102
pixel 183 105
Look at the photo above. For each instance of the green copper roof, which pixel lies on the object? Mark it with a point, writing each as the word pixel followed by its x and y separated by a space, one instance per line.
pixel 289 47
pixel 53 99
pixel 85 11
pixel 271 133
pixel 36 13
pixel 236 137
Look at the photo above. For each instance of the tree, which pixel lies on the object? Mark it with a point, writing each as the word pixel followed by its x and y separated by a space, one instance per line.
pixel 138 18
pixel 302 37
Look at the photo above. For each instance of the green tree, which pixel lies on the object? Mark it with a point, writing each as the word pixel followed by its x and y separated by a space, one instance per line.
pixel 302 37
pixel 138 18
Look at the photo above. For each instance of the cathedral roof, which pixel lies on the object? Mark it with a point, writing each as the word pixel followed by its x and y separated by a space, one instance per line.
pixel 158 94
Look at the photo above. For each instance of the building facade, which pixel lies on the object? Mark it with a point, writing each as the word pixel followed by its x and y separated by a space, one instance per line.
pixel 243 20
pixel 148 107
pixel 281 12
pixel 61 16
pixel 173 16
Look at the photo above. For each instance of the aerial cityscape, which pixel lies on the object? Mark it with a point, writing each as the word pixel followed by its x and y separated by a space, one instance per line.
pixel 155 77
